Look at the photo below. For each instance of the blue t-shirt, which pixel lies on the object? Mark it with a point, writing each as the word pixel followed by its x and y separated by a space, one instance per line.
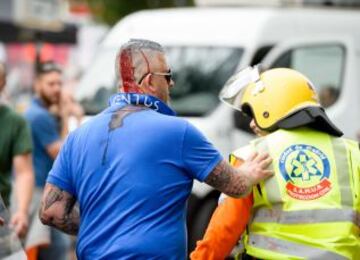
pixel 45 131
pixel 132 170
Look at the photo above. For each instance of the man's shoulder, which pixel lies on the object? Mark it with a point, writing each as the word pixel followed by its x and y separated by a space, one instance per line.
pixel 11 115
pixel 243 152
pixel 352 144
pixel 173 119
pixel 176 124
pixel 166 120
pixel 35 113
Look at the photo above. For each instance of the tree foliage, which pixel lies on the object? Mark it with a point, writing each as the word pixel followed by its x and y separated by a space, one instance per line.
pixel 110 11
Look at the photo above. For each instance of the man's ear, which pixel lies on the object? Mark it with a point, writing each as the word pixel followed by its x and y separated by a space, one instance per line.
pixel 147 86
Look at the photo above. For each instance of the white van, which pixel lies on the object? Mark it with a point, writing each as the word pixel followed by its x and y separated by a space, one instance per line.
pixel 205 46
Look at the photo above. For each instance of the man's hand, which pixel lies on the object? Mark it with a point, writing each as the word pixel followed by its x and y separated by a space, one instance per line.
pixel 19 221
pixel 255 168
pixel 69 106
pixel 238 182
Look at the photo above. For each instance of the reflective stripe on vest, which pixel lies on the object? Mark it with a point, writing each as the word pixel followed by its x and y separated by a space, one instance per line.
pixel 271 185
pixel 277 215
pixel 342 169
pixel 290 248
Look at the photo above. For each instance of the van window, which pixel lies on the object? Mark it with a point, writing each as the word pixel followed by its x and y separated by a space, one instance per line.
pixel 99 82
pixel 199 74
pixel 322 64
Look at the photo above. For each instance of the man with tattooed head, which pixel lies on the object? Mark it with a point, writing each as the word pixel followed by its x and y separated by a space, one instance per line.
pixel 131 168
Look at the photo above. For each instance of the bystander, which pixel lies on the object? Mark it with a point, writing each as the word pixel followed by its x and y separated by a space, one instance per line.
pixel 15 155
pixel 48 116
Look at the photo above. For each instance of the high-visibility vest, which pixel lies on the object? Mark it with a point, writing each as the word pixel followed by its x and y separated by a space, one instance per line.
pixel 310 208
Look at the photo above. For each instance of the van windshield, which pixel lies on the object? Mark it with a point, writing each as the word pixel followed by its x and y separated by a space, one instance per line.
pixel 199 74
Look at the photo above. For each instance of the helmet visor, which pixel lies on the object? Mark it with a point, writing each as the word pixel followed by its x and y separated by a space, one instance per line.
pixel 233 90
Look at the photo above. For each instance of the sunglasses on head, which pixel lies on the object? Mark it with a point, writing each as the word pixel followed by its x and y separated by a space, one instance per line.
pixel 48 67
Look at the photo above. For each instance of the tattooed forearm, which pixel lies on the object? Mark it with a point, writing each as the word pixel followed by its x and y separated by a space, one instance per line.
pixel 219 177
pixel 58 210
pixel 54 195
pixel 227 180
pixel 70 222
pixel 237 182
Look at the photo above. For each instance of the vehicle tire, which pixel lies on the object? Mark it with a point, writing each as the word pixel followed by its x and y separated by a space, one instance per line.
pixel 200 221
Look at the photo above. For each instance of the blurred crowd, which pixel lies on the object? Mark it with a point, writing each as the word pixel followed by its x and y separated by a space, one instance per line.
pixel 30 139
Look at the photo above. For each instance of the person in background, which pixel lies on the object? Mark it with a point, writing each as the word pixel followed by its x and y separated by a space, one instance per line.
pixel 328 95
pixel 15 155
pixel 48 116
pixel 310 208
pixel 131 168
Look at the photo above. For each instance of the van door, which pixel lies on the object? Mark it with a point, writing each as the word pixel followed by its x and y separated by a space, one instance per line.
pixel 330 64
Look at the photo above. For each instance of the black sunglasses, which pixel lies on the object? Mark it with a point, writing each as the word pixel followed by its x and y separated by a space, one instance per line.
pixel 167 75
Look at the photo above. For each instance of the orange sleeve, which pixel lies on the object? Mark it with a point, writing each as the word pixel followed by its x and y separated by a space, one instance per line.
pixel 225 228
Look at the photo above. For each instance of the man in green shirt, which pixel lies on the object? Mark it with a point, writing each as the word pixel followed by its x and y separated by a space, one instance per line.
pixel 15 154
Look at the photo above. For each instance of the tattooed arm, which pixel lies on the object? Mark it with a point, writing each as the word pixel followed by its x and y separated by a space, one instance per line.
pixel 58 210
pixel 237 182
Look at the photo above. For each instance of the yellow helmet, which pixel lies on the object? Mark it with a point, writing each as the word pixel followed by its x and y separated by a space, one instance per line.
pixel 275 95
pixel 281 93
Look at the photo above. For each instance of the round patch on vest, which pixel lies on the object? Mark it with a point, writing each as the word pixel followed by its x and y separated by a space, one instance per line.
pixel 306 169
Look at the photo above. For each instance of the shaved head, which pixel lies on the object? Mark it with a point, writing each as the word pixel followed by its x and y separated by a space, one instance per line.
pixel 135 59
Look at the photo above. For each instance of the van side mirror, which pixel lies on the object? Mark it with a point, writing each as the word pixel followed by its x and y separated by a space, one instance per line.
pixel 242 122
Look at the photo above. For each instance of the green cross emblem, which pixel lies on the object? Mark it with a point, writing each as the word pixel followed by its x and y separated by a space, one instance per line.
pixel 304 167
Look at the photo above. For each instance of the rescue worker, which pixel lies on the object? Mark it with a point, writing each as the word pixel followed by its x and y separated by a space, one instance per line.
pixel 310 208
